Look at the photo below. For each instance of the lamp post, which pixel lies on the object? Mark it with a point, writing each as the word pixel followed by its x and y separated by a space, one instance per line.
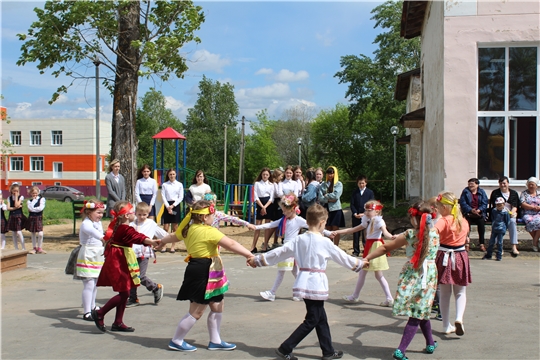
pixel 394 130
pixel 299 141
pixel 98 181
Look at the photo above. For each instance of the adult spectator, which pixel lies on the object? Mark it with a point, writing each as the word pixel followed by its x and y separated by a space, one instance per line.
pixel 359 198
pixel 511 197
pixel 199 187
pixel 172 194
pixel 116 185
pixel 530 203
pixel 474 203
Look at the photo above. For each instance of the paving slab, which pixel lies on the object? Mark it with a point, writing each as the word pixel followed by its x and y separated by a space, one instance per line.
pixel 42 315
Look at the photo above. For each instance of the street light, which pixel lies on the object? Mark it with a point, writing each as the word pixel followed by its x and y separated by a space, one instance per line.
pixel 299 141
pixel 98 181
pixel 394 130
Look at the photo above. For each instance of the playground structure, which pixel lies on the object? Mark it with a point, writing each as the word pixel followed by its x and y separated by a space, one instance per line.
pixel 236 199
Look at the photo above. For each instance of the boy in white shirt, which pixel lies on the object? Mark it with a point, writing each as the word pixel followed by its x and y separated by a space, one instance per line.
pixel 149 228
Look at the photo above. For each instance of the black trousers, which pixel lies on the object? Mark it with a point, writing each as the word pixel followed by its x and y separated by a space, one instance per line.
pixel 357 235
pixel 315 318
pixel 480 223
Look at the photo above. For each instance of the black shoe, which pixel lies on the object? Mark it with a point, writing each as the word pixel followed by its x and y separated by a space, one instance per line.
pixel 122 327
pixel 514 254
pixel 336 355
pixel 486 257
pixel 88 316
pixel 356 254
pixel 286 356
pixel 254 251
pixel 98 321
pixel 132 303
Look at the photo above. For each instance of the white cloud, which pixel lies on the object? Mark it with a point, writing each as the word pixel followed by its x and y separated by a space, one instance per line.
pixel 173 104
pixel 285 75
pixel 277 90
pixel 326 39
pixel 203 60
pixel 67 108
pixel 264 71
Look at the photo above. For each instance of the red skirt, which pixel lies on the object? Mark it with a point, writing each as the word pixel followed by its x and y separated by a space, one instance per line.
pixel 115 271
pixel 462 273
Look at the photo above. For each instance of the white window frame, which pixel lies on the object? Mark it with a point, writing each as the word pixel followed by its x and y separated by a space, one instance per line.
pixel 15 137
pixel 35 137
pixel 35 162
pixel 58 174
pixel 57 138
pixel 18 159
pixel 508 114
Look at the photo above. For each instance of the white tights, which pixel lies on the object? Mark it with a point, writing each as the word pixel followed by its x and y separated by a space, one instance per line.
pixel 89 294
pixel 280 276
pixel 3 241
pixel 18 235
pixel 460 294
pixel 37 239
pixel 380 278
pixel 183 328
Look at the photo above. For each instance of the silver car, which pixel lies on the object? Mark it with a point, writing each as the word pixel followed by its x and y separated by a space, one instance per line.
pixel 62 193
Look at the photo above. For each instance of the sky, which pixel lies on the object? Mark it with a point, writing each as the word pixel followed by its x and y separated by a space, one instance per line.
pixel 277 55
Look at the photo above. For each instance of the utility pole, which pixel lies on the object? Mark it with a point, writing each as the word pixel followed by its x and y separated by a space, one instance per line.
pixel 241 167
pixel 98 156
pixel 225 158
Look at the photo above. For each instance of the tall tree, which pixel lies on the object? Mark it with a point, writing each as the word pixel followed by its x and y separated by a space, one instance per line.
pixel 130 39
pixel 153 117
pixel 215 109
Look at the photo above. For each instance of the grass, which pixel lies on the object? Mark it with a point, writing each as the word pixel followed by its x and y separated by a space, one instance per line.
pixel 56 212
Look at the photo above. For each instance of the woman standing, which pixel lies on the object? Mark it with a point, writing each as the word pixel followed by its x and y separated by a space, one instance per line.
pixel 329 195
pixel 530 203
pixel 263 194
pixel 116 185
pixel 172 194
pixel 512 204
pixel 199 187
pixel 146 189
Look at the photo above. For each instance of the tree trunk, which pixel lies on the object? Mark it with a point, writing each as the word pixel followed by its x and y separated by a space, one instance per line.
pixel 124 139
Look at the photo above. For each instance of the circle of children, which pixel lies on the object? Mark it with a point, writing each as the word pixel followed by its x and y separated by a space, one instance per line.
pixel 436 250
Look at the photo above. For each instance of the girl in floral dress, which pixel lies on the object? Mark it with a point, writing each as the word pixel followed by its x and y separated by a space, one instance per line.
pixel 418 278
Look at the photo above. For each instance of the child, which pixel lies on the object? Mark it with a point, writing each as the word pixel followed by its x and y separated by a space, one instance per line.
pixel 15 203
pixel 500 220
pixel 288 227
pixel 149 228
pixel 376 227
pixel 90 257
pixel 146 189
pixel 311 251
pixel 454 273
pixel 205 281
pixel 418 278
pixel 360 196
pixel 435 217
pixel 3 207
pixel 263 194
pixel 309 197
pixel 221 216
pixel 35 205
pixel 120 269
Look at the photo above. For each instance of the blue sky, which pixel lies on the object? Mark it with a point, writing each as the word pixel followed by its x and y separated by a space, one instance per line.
pixel 278 55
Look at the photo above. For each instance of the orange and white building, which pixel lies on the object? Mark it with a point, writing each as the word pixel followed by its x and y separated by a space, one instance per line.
pixel 53 152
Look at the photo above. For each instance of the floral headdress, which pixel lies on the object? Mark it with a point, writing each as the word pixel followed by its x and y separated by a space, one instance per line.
pixel 290 201
pixel 92 205
pixel 204 211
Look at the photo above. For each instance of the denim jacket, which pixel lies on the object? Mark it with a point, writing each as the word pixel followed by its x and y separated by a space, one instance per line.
pixel 310 194
pixel 324 196
pixel 465 201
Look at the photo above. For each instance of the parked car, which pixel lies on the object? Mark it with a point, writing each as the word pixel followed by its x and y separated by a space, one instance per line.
pixel 62 193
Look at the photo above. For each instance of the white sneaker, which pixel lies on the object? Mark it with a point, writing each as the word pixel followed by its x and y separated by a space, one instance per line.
pixel 450 330
pixel 267 295
pixel 349 298
pixel 295 298
pixel 387 303
pixel 535 248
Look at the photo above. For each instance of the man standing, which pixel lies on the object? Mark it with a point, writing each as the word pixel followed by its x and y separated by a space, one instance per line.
pixel 359 198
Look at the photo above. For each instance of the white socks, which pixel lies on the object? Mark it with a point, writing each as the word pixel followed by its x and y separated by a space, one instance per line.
pixel 279 280
pixel 214 324
pixel 19 235
pixel 384 284
pixel 33 236
pixel 359 284
pixel 89 295
pixel 183 328
pixel 460 293
pixel 40 240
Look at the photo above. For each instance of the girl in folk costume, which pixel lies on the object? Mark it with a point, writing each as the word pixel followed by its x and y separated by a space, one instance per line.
pixel 376 227
pixel 221 216
pixel 263 195
pixel 311 251
pixel 205 281
pixel 418 278
pixel 34 224
pixel 288 228
pixel 454 273
pixel 120 270
pixel 14 206
pixel 90 257
pixel 3 207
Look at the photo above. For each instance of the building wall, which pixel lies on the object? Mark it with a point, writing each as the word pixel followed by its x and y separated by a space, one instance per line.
pixel 486 23
pixel 77 152
pixel 414 150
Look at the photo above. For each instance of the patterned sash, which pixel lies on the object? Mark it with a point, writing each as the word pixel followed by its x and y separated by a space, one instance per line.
pixel 217 280
pixel 133 265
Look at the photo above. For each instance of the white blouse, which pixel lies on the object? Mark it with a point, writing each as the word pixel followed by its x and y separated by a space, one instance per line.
pixel 264 189
pixel 150 229
pixel 289 187
pixel 278 190
pixel 91 233
pixel 146 187
pixel 373 226
pixel 172 191
pixel 198 191
pixel 31 204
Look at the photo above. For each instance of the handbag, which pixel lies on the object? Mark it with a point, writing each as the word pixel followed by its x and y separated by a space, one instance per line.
pixel 72 261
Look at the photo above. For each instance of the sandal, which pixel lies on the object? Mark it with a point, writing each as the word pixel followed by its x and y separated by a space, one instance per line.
pixel 514 254
pixel 482 247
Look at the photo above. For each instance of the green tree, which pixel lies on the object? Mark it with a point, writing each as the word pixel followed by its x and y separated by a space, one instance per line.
pixel 215 109
pixel 371 86
pixel 153 117
pixel 129 38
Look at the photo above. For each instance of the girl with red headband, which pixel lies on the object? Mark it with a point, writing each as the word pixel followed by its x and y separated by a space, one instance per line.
pixel 373 221
pixel 418 278
pixel 120 269
pixel 90 257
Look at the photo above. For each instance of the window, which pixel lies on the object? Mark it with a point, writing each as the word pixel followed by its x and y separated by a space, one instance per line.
pixel 57 183
pixel 16 163
pixel 508 112
pixel 15 138
pixel 36 163
pixel 56 137
pixel 36 183
pixel 35 138
pixel 57 170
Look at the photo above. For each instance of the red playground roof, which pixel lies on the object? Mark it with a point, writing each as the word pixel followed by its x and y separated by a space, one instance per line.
pixel 169 133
